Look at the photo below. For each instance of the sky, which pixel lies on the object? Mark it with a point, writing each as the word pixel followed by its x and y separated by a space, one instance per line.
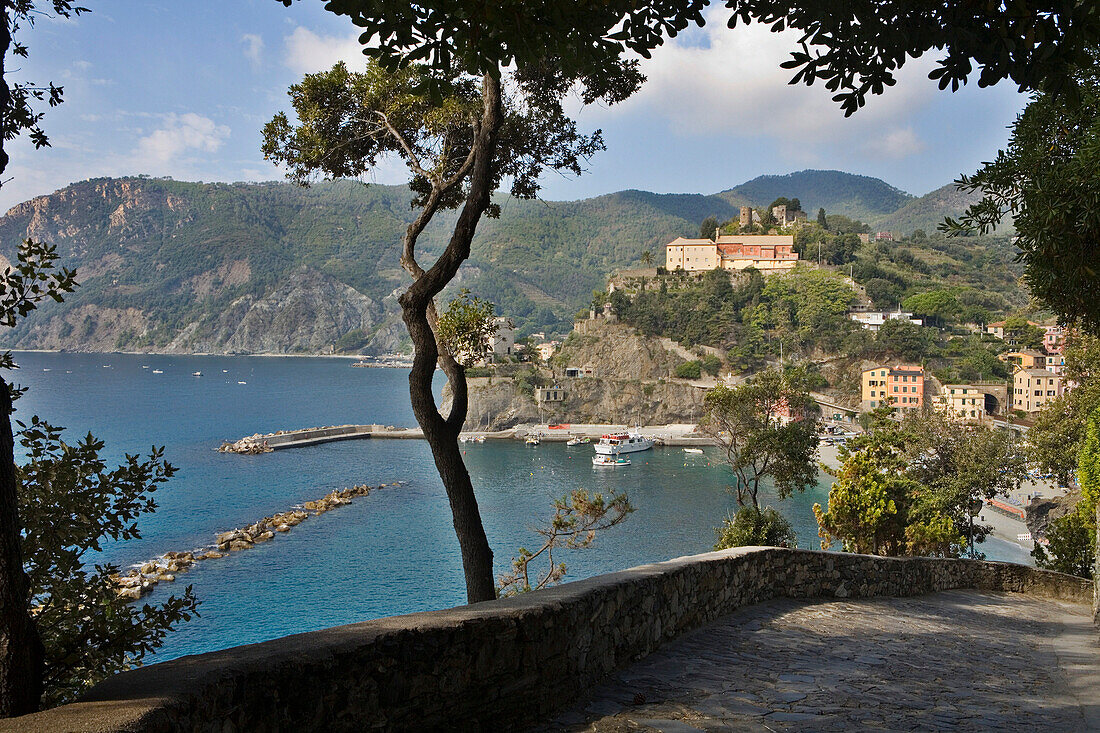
pixel 182 89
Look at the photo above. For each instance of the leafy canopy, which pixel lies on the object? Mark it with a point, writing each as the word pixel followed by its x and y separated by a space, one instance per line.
pixel 70 503
pixel 1045 180
pixel 856 47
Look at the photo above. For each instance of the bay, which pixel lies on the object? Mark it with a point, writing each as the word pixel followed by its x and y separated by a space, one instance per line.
pixel 389 553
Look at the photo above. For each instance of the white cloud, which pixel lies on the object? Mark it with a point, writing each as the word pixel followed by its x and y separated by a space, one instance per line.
pixel 894 144
pixel 307 52
pixel 722 81
pixel 253 48
pixel 178 135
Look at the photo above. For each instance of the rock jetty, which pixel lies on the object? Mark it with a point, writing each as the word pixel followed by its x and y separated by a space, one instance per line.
pixel 142 579
pixel 249 445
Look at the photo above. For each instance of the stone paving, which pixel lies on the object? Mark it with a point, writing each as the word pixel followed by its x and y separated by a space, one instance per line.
pixel 957 660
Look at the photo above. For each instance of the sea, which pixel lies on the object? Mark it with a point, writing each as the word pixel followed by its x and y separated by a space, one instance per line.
pixel 392 552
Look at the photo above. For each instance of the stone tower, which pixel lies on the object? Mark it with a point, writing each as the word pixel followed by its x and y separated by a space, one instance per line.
pixel 780 214
pixel 746 216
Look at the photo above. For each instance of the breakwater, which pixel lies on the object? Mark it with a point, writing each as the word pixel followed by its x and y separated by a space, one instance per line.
pixel 673 435
pixel 143 578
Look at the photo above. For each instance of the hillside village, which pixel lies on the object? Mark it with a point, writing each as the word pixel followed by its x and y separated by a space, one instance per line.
pixel 888 356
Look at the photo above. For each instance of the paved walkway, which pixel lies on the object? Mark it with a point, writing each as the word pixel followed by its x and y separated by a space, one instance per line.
pixel 957 660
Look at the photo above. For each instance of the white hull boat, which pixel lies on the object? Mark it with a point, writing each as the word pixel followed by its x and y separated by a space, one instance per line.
pixel 603 460
pixel 616 443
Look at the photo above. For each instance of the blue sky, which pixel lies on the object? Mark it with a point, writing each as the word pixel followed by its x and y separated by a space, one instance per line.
pixel 183 88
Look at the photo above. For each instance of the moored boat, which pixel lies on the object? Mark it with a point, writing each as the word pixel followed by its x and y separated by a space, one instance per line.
pixel 693 450
pixel 579 440
pixel 606 460
pixel 613 444
pixel 533 440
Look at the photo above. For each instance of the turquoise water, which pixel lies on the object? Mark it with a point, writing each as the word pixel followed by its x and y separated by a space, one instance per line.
pixel 390 553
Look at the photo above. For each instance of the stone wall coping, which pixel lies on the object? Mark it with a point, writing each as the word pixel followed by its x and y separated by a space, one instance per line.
pixel 154 698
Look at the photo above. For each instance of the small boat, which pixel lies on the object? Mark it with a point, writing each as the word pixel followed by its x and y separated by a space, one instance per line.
pixel 606 460
pixel 196 374
pixel 225 371
pixel 144 366
pixel 45 369
pixel 533 440
pixel 157 371
pixel 693 450
pixel 242 382
pixel 479 439
pixel 579 440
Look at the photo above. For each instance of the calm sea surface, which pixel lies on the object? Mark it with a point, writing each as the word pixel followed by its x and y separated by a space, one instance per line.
pixel 390 553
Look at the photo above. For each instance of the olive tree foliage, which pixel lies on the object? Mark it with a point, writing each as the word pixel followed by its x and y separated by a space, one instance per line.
pixel 1045 183
pixel 70 503
pixel 1072 537
pixel 465 327
pixel 747 422
pixel 914 487
pixel 460 136
pixel 1054 441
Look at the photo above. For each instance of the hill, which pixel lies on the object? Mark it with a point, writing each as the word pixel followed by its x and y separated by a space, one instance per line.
pixel 926 212
pixel 180 266
pixel 858 197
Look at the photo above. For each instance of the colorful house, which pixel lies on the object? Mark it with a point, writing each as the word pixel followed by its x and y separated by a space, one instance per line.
pixel 900 386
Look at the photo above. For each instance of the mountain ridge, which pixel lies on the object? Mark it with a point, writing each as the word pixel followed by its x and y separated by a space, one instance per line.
pixel 177 265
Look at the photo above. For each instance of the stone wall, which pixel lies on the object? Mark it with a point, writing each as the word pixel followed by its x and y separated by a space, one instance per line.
pixel 502 664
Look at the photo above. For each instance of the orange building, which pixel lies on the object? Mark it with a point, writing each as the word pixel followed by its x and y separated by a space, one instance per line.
pixel 900 386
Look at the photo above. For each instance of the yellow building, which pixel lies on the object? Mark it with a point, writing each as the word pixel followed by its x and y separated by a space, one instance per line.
pixel 962 402
pixel 732 252
pixel 1033 388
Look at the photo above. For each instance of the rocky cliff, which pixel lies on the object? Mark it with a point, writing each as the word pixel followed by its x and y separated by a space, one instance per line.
pixel 627 381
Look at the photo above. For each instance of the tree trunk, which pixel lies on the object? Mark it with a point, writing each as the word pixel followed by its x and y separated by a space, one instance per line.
pixel 418 311
pixel 21 652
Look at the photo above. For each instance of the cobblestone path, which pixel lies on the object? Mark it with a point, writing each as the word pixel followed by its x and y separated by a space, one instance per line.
pixel 957 660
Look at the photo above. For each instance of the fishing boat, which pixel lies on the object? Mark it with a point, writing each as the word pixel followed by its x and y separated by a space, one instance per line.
pixel 693 450
pixel 606 460
pixel 579 440
pixel 613 444
pixel 533 440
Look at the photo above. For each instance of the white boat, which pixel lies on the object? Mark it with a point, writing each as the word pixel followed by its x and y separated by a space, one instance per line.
pixel 157 371
pixel 605 460
pixel 479 439
pixel 693 450
pixel 242 382
pixel 196 374
pixel 579 440
pixel 533 440
pixel 613 444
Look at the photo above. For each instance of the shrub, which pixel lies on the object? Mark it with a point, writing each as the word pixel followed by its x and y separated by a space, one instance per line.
pixel 752 526
pixel 689 370
pixel 711 364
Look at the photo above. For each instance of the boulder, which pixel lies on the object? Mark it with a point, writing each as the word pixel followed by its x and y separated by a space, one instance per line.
pixel 282 528
pixel 149 568
pixel 168 577
pixel 130 594
pixel 210 555
pixel 239 544
pixel 264 536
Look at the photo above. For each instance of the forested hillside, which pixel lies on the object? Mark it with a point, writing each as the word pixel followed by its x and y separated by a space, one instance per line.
pixel 172 265
pixel 857 197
